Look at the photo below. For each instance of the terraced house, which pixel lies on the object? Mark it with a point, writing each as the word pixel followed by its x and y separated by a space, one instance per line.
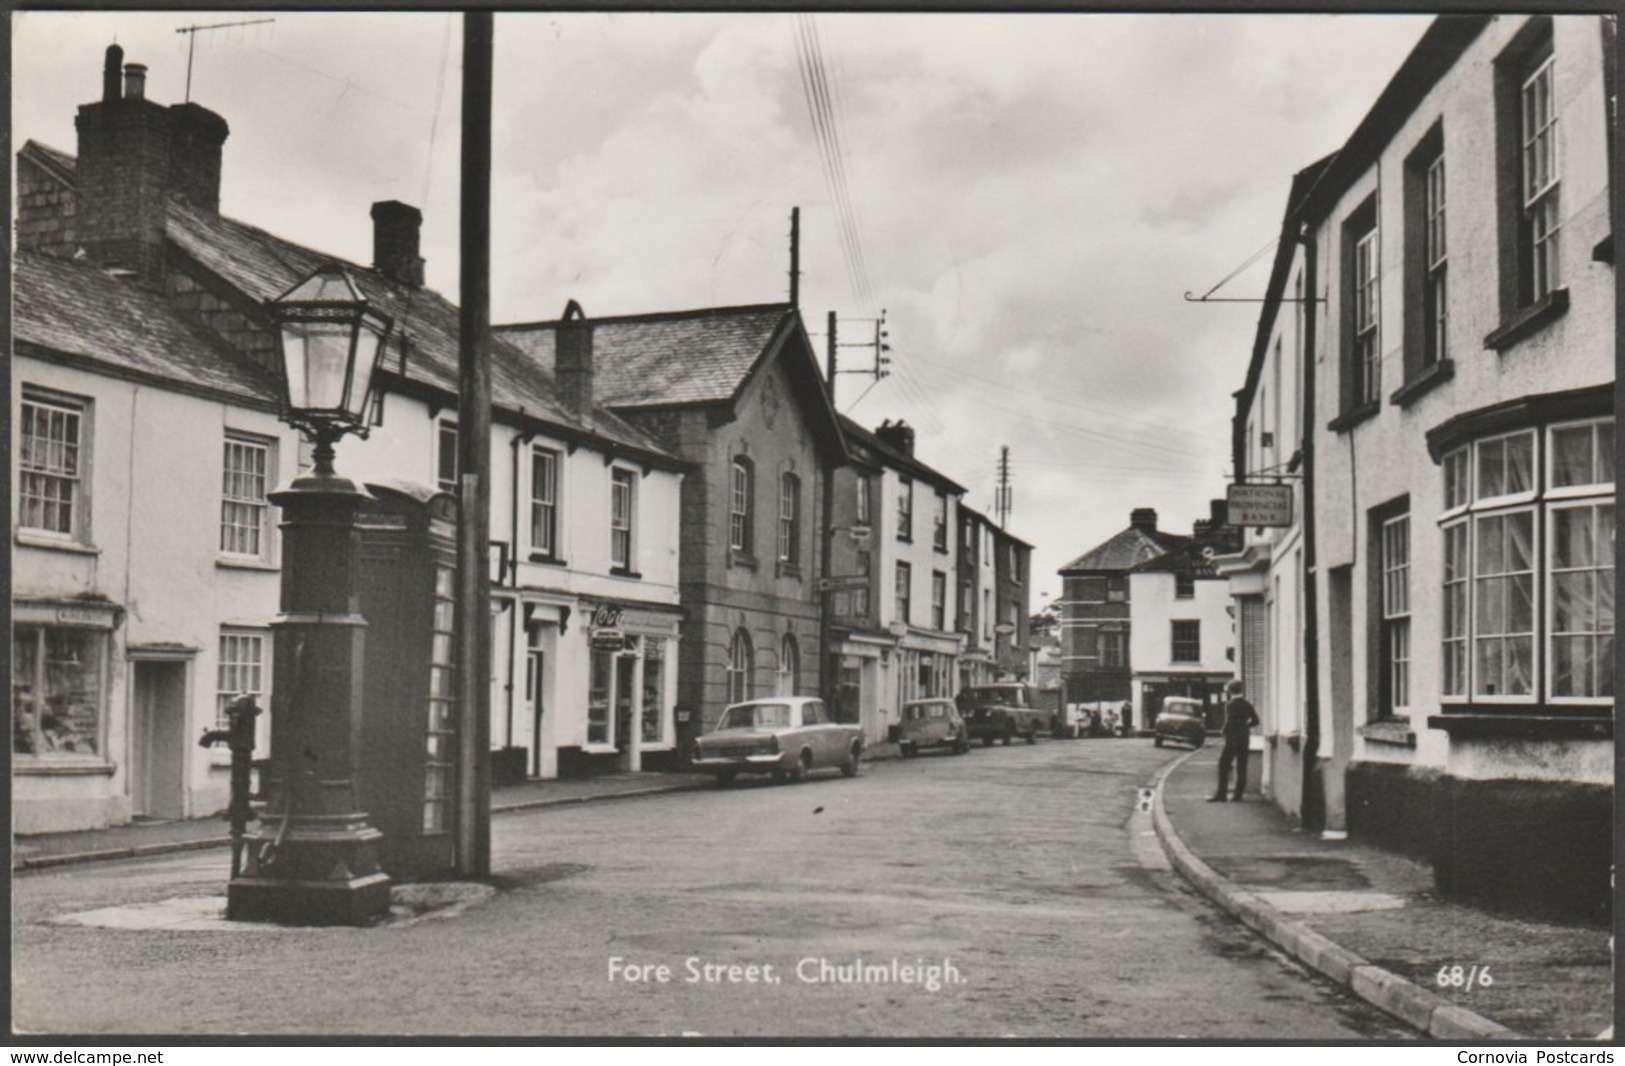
pixel 146 557
pixel 737 394
pixel 1450 387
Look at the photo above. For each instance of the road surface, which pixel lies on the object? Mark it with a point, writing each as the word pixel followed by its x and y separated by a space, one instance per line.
pixel 1009 892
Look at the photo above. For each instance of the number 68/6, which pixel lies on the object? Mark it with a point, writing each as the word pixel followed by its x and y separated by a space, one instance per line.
pixel 1463 977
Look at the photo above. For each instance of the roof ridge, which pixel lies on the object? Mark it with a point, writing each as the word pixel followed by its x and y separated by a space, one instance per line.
pixel 644 316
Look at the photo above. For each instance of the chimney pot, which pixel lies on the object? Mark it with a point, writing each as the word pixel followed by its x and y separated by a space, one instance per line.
pixel 898 435
pixel 1218 513
pixel 396 240
pixel 135 81
pixel 110 73
pixel 1144 518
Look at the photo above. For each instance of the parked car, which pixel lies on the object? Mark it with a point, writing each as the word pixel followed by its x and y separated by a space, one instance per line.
pixel 932 723
pixel 787 736
pixel 1180 720
pixel 1003 711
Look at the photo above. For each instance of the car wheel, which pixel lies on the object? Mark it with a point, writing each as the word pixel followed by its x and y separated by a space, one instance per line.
pixel 1008 734
pixel 1157 740
pixel 907 751
pixel 987 742
pixel 849 765
pixel 961 746
pixel 802 768
pixel 1031 735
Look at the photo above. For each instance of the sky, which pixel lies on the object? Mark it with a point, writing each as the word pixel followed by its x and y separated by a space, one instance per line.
pixel 1027 196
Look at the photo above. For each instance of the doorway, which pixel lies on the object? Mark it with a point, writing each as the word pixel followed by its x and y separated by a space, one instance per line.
pixel 535 704
pixel 158 742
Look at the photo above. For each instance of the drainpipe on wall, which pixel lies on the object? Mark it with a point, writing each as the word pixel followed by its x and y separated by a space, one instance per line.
pixel 1313 807
pixel 827 674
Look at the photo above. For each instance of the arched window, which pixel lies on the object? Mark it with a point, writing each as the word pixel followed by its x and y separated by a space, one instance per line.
pixel 739 668
pixel 789 665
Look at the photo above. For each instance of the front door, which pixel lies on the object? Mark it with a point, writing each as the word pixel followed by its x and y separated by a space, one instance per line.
pixel 626 718
pixel 158 742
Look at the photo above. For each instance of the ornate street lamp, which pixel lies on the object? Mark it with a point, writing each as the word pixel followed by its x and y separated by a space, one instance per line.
pixel 331 341
pixel 314 860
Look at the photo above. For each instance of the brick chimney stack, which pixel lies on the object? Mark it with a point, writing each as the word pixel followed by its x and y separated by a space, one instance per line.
pixel 1218 513
pixel 1143 518
pixel 134 155
pixel 396 229
pixel 898 435
pixel 572 360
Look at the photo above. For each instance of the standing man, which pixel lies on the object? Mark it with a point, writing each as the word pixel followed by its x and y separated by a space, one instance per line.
pixel 1239 719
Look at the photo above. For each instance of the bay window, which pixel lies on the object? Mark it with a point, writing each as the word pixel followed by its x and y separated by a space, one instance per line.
pixel 1528 612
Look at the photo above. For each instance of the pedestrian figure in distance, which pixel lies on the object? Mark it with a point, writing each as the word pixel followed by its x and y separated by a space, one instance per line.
pixel 1127 718
pixel 1239 719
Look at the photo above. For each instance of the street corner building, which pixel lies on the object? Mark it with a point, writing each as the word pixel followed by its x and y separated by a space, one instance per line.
pixel 146 554
pixel 918 585
pixel 1097 620
pixel 1430 637
pixel 736 393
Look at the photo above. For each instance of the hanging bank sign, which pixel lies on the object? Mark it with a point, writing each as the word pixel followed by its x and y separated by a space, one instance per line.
pixel 1259 505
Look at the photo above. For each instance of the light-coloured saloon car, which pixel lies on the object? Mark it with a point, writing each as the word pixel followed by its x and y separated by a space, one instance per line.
pixel 786 736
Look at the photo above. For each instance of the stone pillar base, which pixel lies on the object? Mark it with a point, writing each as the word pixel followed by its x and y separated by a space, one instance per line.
pixel 355 901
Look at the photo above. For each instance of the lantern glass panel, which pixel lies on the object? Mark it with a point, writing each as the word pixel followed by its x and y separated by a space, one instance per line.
pixel 316 355
pixel 368 348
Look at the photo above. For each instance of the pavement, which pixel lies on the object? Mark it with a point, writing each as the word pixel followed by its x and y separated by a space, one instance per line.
pixel 1369 920
pixel 1365 918
pixel 152 837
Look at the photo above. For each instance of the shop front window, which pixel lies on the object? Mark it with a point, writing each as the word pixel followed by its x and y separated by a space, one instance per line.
pixel 57 690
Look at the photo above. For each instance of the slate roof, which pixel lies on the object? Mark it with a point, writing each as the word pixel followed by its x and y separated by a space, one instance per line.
pixel 64 166
pixel 1194 556
pixel 1126 550
pixel 74 308
pixel 264 266
pixel 896 459
pixel 666 358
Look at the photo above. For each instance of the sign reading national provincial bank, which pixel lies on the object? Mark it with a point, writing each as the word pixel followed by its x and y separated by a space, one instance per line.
pixel 1259 505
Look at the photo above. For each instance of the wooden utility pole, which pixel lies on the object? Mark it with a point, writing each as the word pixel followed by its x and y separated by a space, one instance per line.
pixel 833 349
pixel 795 257
pixel 474 457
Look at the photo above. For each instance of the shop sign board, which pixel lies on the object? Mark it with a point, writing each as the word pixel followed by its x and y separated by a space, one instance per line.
pixel 1259 505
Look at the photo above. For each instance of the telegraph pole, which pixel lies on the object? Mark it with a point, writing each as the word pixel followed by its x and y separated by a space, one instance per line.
pixel 474 454
pixel 833 348
pixel 1001 499
pixel 795 257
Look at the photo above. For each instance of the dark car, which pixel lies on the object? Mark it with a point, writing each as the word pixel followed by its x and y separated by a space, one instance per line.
pixel 1180 720
pixel 1003 711
pixel 931 723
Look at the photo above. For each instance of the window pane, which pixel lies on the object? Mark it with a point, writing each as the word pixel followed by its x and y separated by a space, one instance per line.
pixel 1572 455
pixel 1520 463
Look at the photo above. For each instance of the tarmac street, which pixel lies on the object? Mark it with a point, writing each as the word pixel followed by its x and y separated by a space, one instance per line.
pixel 1008 892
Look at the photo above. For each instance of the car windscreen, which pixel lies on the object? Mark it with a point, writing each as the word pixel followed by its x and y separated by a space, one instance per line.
pixel 756 716
pixel 1010 697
